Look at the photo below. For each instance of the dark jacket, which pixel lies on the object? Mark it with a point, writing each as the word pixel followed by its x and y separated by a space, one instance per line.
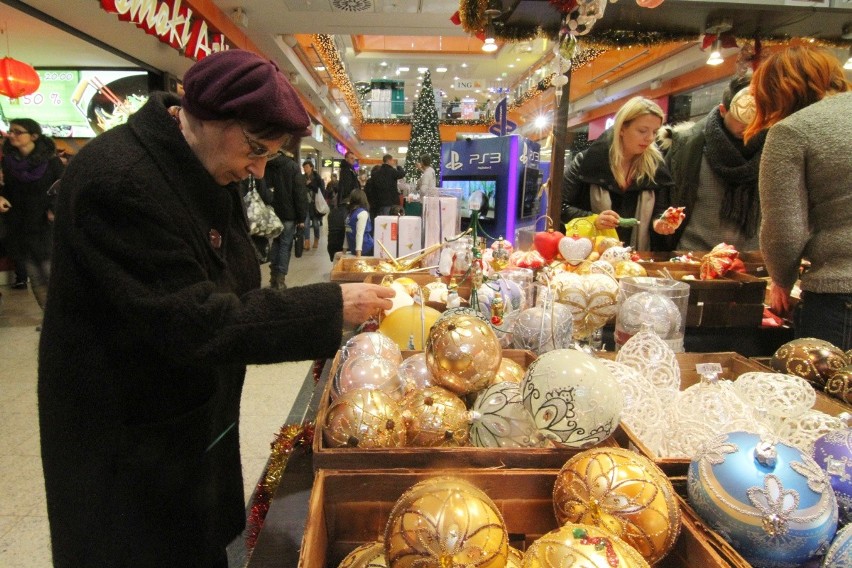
pixel 314 183
pixel 383 191
pixel 151 321
pixel 347 183
pixel 591 167
pixel 289 195
pixel 336 229
pixel 28 233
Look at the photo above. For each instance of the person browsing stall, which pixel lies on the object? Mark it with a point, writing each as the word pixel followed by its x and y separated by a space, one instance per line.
pixel 622 175
pixel 156 309
pixel 359 226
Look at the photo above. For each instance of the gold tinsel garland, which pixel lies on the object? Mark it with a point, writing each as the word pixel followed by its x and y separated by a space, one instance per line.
pixel 330 56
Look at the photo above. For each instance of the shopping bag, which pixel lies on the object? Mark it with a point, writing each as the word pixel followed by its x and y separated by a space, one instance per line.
pixel 298 243
pixel 320 204
pixel 263 222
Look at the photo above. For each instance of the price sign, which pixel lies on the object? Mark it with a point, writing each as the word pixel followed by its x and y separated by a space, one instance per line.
pixel 704 369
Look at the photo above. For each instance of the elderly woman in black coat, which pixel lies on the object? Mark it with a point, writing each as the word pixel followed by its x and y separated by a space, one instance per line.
pixel 156 309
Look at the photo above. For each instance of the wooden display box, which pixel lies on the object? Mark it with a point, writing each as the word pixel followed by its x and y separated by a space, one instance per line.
pixel 350 508
pixel 418 457
pixel 342 270
pixel 422 279
pixel 733 365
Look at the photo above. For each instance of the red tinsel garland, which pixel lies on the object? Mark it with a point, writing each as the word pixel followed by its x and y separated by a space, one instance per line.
pixel 288 438
pixel 564 6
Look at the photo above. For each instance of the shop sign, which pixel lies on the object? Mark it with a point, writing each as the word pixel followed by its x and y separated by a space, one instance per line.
pixel 468 84
pixel 171 22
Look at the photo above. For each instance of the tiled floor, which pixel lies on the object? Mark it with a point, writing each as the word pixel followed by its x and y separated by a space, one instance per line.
pixel 24 537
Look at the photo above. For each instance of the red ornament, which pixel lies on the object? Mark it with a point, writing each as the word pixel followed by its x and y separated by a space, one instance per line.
pixel 547 243
pixel 17 78
pixel 564 6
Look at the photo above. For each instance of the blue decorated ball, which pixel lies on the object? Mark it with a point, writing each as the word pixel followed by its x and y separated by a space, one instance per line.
pixel 839 554
pixel 833 452
pixel 772 503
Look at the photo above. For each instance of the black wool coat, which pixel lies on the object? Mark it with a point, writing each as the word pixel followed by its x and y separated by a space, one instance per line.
pixel 285 177
pixel 151 321
pixel 385 192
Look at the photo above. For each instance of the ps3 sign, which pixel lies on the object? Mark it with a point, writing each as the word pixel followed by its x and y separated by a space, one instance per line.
pixel 479 161
pixel 530 154
pixel 475 157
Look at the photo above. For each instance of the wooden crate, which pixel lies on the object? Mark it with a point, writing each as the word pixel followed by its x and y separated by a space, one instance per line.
pixel 342 270
pixel 733 365
pixel 418 457
pixel 350 508
pixel 422 279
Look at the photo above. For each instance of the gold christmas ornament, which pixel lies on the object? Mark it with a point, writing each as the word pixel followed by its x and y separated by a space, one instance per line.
pixel 435 417
pixel 446 522
pixel 625 268
pixel 371 343
pixel 516 558
pixel 364 418
pixel 369 555
pixel 463 353
pixel 840 384
pixel 623 493
pixel 409 326
pixel 812 359
pixel 581 546
pixel 369 372
pixel 508 372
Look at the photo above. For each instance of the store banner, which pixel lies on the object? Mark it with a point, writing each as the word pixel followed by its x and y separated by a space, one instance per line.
pixel 475 157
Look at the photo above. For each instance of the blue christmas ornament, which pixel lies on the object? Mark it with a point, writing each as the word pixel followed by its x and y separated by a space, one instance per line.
pixel 833 452
pixel 839 554
pixel 772 503
pixel 511 293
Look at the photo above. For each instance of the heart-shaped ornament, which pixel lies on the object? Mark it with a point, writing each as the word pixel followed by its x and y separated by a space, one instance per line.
pixel 547 243
pixel 575 249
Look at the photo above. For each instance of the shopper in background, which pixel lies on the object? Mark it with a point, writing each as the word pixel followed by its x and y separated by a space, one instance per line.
pixel 30 168
pixel 804 99
pixel 314 184
pixel 622 175
pixel 385 193
pixel 715 174
pixel 155 311
pixel 427 184
pixel 359 226
pixel 331 190
pixel 348 178
pixel 290 201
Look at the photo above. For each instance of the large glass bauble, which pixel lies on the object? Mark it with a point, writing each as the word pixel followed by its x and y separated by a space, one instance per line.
pixel 369 555
pixel 812 359
pixel 509 371
pixel 415 373
pixel 839 554
pixel 833 452
pixel 581 546
pixel 463 353
pixel 443 522
pixel 498 419
pixel 364 418
pixel 772 503
pixel 839 385
pixel 653 358
pixel 409 326
pixel 543 328
pixel 371 343
pixel 371 372
pixel 573 398
pixel 622 492
pixel 435 416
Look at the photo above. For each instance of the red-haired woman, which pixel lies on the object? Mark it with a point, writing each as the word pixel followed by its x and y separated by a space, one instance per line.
pixel 806 187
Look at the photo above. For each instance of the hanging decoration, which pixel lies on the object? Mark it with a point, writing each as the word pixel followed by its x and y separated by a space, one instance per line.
pixel 330 56
pixel 17 78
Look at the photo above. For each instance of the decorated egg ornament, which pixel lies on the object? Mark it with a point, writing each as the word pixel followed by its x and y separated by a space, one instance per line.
pixel 833 452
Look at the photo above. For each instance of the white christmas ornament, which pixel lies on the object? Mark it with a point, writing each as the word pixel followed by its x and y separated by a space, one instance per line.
pixel 650 355
pixel 498 419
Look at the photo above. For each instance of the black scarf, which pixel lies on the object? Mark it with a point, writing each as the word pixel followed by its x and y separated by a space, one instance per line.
pixel 736 164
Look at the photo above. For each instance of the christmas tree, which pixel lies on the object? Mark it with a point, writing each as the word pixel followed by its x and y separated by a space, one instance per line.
pixel 425 135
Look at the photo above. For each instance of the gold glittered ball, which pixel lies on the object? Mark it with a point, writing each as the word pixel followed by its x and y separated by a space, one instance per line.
pixel 463 353
pixel 362 266
pixel 812 359
pixel 446 522
pixel 581 546
pixel 623 493
pixel 516 558
pixel 435 417
pixel 508 372
pixel 625 268
pixel 840 385
pixel 369 555
pixel 364 418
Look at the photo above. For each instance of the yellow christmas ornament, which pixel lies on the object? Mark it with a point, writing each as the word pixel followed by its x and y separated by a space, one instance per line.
pixel 446 522
pixel 623 493
pixel 369 555
pixel 508 372
pixel 581 546
pixel 364 418
pixel 625 268
pixel 463 353
pixel 435 417
pixel 409 326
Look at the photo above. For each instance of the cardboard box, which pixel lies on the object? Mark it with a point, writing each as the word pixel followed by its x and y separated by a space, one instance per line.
pixel 418 457
pixel 410 235
pixel 733 365
pixel 350 508
pixel 386 232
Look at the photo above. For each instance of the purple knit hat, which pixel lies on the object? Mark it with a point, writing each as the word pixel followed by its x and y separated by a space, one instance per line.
pixel 237 84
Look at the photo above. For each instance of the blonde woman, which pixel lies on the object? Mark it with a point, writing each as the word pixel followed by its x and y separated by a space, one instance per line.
pixel 622 174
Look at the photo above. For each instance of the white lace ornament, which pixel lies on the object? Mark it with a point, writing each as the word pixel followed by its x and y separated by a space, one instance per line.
pixel 650 355
pixel 775 395
pixel 643 410
pixel 803 430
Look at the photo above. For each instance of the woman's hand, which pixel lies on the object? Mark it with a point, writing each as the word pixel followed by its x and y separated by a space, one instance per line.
pixel 663 227
pixel 779 299
pixel 360 301
pixel 607 220
pixel 4 205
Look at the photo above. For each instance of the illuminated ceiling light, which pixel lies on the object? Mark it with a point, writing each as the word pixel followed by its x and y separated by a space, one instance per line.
pixel 517 59
pixel 455 78
pixel 441 69
pixel 477 91
pixel 319 68
pixel 344 119
pixel 422 69
pixel 499 78
pixel 419 84
pixel 464 65
pixel 715 54
pixel 511 65
pixel 337 110
pixel 489 44
pixel 384 63
pixel 404 69
pixel 540 121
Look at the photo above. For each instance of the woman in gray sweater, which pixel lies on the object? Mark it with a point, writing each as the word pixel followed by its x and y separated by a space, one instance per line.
pixel 806 187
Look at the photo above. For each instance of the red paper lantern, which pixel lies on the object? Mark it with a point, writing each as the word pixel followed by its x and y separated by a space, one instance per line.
pixel 17 78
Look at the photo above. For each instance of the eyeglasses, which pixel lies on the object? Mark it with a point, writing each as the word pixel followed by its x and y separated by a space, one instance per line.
pixel 257 150
pixel 18 132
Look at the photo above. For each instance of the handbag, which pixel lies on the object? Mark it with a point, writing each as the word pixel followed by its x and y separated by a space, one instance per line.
pixel 320 204
pixel 262 220
pixel 298 243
